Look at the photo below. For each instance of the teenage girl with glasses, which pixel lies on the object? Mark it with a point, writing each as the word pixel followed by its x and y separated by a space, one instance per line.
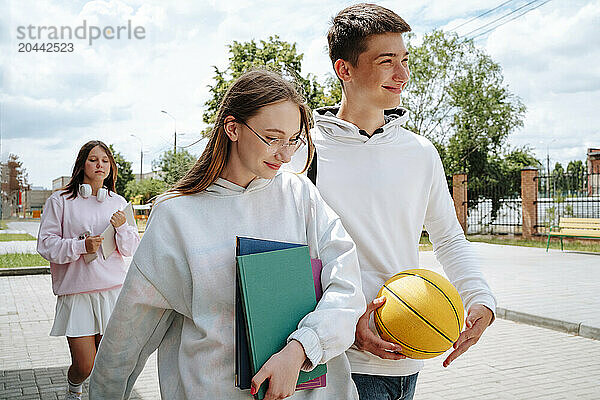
pixel 179 292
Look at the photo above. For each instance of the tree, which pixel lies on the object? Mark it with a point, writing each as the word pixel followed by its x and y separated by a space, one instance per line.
pixel 173 166
pixel 144 190
pixel 457 99
pixel 576 167
pixel 576 176
pixel 14 180
pixel 17 175
pixel 273 54
pixel 560 182
pixel 124 172
pixel 334 91
pixel 503 179
pixel 572 181
pixel 510 166
pixel 558 169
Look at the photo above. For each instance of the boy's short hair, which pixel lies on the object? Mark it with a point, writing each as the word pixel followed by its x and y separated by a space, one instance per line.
pixel 350 29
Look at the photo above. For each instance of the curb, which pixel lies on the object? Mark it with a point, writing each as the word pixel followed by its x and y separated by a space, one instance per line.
pixel 24 271
pixel 572 328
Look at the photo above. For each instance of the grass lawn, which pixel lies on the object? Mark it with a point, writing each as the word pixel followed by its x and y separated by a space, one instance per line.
pixel 3 225
pixel 16 260
pixel 569 244
pixel 9 237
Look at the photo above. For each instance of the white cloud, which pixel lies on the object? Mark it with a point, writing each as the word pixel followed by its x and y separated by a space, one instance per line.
pixel 53 103
pixel 550 59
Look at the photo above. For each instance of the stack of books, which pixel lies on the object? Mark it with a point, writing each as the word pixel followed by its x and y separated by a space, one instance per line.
pixel 277 285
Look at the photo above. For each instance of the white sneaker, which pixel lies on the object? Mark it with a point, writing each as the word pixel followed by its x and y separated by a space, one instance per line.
pixel 73 395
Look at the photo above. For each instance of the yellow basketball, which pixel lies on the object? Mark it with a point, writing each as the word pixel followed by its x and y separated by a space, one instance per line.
pixel 423 313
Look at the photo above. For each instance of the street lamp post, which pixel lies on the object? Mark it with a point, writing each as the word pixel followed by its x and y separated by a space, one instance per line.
pixel 175 130
pixel 141 155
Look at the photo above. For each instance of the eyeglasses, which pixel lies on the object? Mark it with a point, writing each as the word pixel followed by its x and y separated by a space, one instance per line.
pixel 276 145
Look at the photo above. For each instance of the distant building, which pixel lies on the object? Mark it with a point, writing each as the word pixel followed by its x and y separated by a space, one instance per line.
pixel 593 165
pixel 13 189
pixel 147 175
pixel 36 198
pixel 60 182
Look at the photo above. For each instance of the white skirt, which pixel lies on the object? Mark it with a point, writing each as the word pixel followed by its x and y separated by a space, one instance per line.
pixel 83 314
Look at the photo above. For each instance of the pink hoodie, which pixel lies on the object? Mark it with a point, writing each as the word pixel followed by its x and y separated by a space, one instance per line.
pixel 63 221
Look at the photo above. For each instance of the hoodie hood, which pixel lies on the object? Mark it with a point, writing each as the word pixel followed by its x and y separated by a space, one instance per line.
pixel 222 187
pixel 338 129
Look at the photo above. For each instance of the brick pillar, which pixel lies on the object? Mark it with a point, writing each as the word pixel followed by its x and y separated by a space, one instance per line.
pixel 529 192
pixel 593 162
pixel 459 193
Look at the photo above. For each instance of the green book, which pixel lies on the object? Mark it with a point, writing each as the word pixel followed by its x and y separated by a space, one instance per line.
pixel 277 289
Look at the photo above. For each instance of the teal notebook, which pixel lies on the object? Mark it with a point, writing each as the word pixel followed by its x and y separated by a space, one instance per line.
pixel 277 289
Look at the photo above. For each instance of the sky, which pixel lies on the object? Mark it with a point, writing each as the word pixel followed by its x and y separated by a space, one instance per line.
pixel 52 103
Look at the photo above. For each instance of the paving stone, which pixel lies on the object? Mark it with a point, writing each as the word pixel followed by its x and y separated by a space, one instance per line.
pixel 531 377
pixel 558 285
pixel 511 361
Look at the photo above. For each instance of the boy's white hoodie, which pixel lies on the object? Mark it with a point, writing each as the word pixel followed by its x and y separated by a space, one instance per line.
pixel 385 188
pixel 179 292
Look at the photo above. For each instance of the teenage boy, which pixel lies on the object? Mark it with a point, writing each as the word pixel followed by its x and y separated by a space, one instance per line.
pixel 386 183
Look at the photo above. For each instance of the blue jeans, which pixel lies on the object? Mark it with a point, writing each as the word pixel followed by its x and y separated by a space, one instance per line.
pixel 375 387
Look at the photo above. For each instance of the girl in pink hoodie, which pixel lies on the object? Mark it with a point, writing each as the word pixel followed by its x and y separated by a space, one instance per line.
pixel 87 284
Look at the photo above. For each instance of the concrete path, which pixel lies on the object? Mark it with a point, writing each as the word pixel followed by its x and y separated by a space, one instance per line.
pixel 517 362
pixel 12 231
pixel 555 285
pixel 511 361
pixel 24 246
pixel 33 365
pixel 31 227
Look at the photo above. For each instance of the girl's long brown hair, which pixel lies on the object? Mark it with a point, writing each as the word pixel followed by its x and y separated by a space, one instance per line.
pixel 250 92
pixel 72 187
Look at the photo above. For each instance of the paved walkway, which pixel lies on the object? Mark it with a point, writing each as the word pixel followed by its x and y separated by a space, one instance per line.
pixel 518 362
pixel 33 365
pixel 557 285
pixel 512 361
pixel 12 231
pixel 30 227
pixel 25 246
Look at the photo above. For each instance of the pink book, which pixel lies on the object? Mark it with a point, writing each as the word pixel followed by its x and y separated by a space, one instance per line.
pixel 317 267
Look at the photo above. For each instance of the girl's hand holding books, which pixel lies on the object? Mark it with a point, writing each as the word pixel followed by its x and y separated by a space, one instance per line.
pixel 282 371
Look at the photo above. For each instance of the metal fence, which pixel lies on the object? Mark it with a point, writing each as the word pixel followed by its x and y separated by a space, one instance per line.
pixel 492 209
pixel 496 208
pixel 567 195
